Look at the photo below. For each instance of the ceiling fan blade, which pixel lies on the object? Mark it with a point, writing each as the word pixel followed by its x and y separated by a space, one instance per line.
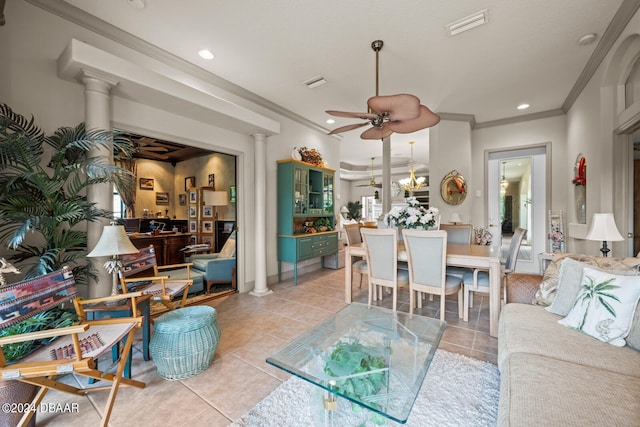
pixel 397 107
pixel 152 148
pixel 154 155
pixel 363 116
pixel 426 119
pixel 377 132
pixel 347 128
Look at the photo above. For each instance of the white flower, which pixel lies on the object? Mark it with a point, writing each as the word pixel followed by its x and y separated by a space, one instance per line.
pixel 411 216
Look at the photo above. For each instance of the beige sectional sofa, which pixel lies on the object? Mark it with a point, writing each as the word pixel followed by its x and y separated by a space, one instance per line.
pixel 552 375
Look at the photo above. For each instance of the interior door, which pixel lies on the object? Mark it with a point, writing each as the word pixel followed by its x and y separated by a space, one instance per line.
pixel 528 261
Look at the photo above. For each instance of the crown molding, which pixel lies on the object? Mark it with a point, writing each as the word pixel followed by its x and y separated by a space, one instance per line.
pixel 457 117
pixel 519 119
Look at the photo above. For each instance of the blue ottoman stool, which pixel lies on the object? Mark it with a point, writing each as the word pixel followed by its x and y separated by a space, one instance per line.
pixel 184 341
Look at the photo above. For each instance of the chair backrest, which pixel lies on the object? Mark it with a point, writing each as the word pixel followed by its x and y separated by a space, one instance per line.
pixel 25 299
pixel 514 248
pixel 352 233
pixel 459 234
pixel 134 264
pixel 382 253
pixel 427 254
pixel 229 248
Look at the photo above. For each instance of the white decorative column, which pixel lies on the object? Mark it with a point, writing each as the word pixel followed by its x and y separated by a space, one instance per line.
pixel 260 289
pixel 386 175
pixel 98 116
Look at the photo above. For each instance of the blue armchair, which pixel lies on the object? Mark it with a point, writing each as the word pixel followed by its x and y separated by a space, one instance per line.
pixel 219 267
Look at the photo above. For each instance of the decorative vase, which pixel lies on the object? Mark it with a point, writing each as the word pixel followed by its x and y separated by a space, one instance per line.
pixel 580 192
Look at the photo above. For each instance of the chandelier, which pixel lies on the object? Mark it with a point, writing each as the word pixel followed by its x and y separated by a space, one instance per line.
pixel 503 182
pixel 412 183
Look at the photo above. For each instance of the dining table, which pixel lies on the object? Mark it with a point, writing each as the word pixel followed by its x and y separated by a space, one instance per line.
pixel 482 257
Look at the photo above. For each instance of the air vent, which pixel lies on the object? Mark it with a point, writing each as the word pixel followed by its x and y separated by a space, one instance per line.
pixel 468 23
pixel 315 82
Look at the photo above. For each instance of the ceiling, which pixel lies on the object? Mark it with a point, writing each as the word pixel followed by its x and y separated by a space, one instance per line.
pixel 527 52
pixel 163 151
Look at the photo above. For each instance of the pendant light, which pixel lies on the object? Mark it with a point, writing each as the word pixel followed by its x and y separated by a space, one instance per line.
pixel 503 182
pixel 412 183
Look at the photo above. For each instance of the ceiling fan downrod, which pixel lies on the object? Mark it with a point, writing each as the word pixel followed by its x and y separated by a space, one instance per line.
pixel 376 45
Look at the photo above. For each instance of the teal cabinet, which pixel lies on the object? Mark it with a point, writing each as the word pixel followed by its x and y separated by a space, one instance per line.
pixel 305 193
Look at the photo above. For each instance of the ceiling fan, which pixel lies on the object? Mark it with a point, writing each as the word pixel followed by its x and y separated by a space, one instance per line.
pixel 151 148
pixel 388 114
pixel 371 183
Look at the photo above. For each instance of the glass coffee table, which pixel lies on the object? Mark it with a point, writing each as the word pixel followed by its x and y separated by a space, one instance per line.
pixel 373 357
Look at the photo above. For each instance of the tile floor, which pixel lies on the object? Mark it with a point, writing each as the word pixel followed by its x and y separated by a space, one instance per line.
pixel 252 329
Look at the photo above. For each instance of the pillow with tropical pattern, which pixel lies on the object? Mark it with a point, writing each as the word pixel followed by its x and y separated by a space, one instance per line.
pixel 605 306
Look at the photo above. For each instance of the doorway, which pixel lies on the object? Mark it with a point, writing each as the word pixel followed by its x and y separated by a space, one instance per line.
pixel 517 196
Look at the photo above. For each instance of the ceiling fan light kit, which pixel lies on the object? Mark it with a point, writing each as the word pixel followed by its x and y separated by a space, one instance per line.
pixel 388 114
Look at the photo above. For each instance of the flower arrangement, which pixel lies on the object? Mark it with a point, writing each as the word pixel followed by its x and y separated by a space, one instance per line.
pixel 311 155
pixel 482 236
pixel 412 216
pixel 581 173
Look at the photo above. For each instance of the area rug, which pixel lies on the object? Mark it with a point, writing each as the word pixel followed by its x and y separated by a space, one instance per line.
pixel 457 391
pixel 157 308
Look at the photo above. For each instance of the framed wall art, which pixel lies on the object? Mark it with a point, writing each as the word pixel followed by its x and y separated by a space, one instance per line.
pixel 207 226
pixel 193 226
pixel 189 183
pixel 146 183
pixel 193 196
pixel 232 194
pixel 162 198
pixel 207 211
pixel 193 211
pixel 183 199
pixel 212 181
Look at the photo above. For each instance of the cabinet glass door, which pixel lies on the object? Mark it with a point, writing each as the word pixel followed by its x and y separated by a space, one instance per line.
pixel 327 194
pixel 300 190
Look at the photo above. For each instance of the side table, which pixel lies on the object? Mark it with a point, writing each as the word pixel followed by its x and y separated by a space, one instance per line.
pixel 102 310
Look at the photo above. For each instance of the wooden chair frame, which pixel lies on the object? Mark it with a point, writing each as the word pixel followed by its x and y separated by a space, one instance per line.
pixel 41 369
pixel 160 286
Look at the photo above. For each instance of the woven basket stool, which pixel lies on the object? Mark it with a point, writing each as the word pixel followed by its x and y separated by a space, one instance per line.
pixel 184 341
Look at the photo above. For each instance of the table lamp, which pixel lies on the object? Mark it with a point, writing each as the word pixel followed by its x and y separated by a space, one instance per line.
pixel 455 218
pixel 113 242
pixel 603 227
pixel 215 198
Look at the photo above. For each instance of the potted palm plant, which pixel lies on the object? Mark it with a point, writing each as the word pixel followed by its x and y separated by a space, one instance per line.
pixel 44 208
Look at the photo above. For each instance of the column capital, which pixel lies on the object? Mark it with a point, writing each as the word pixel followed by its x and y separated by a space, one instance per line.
pixel 95 80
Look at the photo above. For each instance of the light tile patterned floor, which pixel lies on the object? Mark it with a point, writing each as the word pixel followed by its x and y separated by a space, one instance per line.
pixel 253 328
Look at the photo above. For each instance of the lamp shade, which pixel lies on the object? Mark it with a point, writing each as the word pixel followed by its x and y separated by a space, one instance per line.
pixel 455 218
pixel 603 228
pixel 215 198
pixel 114 241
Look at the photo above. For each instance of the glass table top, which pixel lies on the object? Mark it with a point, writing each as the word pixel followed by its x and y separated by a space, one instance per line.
pixel 372 356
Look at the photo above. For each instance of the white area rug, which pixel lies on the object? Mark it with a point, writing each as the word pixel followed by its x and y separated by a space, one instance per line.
pixel 457 391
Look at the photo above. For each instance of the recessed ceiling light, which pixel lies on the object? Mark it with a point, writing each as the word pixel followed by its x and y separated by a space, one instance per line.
pixel 205 53
pixel 523 106
pixel 331 121
pixel 587 39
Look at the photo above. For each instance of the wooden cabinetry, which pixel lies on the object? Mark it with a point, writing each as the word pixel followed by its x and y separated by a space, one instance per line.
pixel 167 246
pixel 305 194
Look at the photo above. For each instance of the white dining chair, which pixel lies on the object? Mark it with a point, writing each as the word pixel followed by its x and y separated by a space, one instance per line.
pixel 478 280
pixel 427 255
pixel 382 261
pixel 352 233
pixel 458 234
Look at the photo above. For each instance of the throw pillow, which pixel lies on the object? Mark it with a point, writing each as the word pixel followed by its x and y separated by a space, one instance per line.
pixel 547 291
pixel 633 339
pixel 229 249
pixel 605 306
pixel 569 282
